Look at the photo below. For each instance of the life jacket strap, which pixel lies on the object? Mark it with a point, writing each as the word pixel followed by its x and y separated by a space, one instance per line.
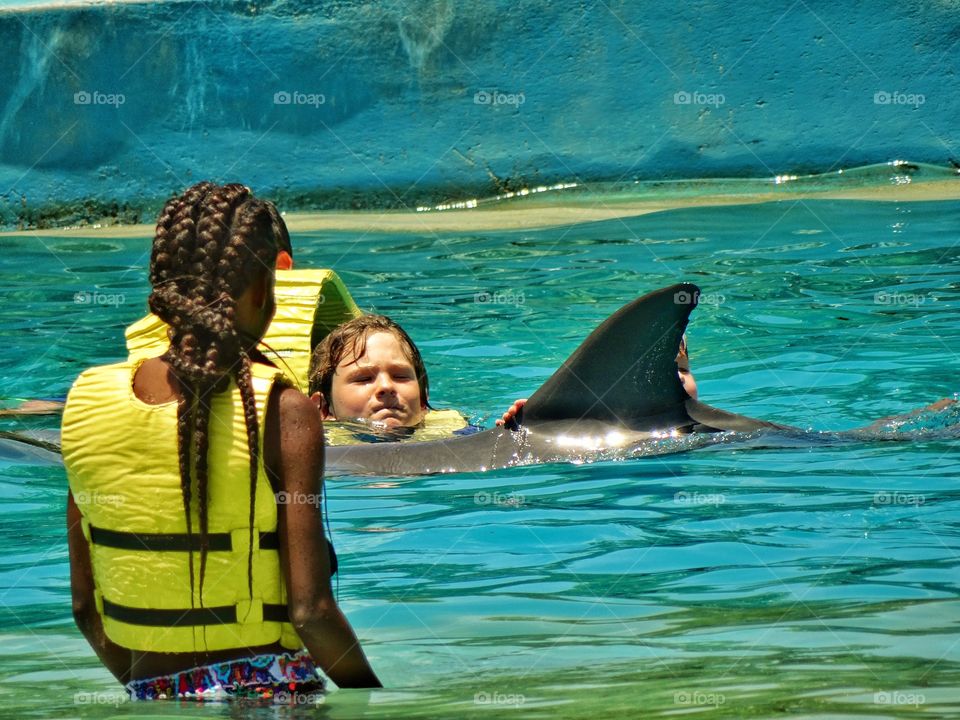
pixel 172 542
pixel 181 542
pixel 220 615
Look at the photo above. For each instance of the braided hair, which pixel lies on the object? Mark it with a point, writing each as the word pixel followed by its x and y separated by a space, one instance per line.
pixel 211 243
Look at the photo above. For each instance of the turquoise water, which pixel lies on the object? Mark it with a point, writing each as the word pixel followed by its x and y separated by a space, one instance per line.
pixel 814 581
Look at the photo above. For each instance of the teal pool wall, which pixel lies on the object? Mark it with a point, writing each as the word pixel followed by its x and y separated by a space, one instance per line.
pixel 106 110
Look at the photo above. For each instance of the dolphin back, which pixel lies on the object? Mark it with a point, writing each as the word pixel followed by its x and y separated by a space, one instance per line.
pixel 711 419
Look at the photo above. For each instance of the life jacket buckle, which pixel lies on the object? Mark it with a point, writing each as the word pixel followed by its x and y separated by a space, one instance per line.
pixel 249 610
pixel 240 540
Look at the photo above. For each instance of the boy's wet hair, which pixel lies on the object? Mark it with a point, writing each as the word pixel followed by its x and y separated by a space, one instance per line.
pixel 350 340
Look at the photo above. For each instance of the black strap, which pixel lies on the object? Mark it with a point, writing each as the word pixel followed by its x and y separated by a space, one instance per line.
pixel 276 613
pixel 221 615
pixel 172 542
pixel 180 542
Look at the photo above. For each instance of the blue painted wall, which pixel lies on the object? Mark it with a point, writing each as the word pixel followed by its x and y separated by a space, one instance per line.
pixel 363 104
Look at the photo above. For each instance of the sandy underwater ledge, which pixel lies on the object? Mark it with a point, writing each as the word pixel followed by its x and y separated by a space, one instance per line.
pixel 549 208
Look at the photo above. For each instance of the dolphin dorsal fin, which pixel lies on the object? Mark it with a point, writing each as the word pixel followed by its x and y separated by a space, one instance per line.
pixel 626 369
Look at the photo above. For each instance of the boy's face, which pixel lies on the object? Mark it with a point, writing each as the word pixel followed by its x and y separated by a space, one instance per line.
pixel 379 385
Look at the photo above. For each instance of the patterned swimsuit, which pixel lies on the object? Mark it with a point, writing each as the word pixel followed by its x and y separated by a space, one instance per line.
pixel 274 678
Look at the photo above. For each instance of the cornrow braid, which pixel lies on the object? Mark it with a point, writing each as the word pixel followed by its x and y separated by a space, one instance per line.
pixel 184 415
pixel 250 416
pixel 210 244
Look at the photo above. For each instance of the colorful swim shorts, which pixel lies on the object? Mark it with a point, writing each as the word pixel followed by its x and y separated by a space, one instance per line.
pixel 272 678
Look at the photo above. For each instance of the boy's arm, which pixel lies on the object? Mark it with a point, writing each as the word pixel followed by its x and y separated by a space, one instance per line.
pixel 34 407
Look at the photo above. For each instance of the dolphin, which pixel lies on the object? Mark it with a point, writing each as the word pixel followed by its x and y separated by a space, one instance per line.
pixel 617 396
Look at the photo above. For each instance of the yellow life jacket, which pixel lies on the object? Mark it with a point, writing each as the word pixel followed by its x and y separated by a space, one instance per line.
pixel 122 464
pixel 437 425
pixel 310 303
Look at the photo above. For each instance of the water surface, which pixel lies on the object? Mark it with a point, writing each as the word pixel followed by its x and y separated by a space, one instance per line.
pixel 817 581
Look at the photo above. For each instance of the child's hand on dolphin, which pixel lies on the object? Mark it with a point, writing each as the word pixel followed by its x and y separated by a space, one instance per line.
pixel 514 414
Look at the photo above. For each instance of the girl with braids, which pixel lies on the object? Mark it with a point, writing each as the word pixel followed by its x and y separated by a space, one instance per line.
pixel 198 561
